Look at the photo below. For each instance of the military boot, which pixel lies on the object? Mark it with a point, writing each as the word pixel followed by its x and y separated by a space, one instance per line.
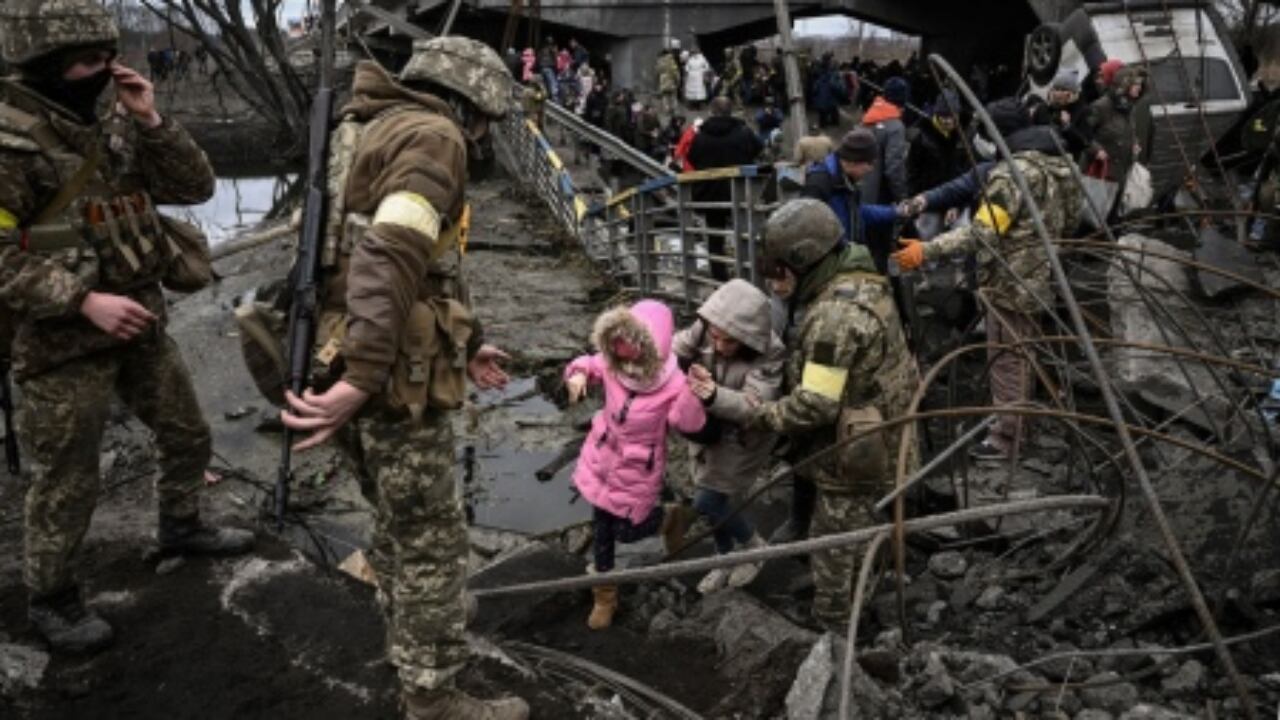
pixel 453 704
pixel 67 625
pixel 189 536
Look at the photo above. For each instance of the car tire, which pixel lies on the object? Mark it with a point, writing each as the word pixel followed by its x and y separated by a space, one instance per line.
pixel 1044 51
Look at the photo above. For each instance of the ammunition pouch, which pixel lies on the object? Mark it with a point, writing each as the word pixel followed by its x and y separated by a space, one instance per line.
pixel 430 367
pixel 190 266
pixel 862 465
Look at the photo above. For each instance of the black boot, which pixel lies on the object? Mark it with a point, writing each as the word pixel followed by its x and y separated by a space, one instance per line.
pixel 67 625
pixel 804 496
pixel 188 536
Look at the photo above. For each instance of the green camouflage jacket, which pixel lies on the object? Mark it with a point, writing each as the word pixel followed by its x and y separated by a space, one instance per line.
pixel 850 352
pixel 41 293
pixel 1003 224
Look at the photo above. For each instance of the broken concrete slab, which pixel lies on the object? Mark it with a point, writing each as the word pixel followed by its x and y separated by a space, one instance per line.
pixel 1144 711
pixel 21 669
pixel 1107 691
pixel 1138 283
pixel 1222 252
pixel 815 694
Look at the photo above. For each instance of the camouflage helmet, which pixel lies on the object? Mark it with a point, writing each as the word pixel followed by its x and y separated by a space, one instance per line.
pixel 468 67
pixel 32 29
pixel 798 235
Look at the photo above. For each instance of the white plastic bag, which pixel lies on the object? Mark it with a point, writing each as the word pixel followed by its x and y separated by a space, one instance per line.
pixel 1138 192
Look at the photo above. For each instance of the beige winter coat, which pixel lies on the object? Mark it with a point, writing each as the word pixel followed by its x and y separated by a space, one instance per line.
pixel 735 459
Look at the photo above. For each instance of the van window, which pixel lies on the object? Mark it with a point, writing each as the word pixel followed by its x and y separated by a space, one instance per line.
pixel 1210 79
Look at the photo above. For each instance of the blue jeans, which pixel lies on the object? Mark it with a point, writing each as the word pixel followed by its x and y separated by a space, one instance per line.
pixel 714 506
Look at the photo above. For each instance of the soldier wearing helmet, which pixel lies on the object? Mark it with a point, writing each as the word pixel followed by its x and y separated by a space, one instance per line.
pixel 83 254
pixel 397 336
pixel 848 370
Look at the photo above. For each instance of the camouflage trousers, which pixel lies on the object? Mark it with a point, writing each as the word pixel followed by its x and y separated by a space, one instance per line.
pixel 420 542
pixel 1010 375
pixel 62 415
pixel 834 570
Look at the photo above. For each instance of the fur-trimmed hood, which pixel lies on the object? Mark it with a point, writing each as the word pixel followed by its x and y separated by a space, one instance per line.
pixel 647 325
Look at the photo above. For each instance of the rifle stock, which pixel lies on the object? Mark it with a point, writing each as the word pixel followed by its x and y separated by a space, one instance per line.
pixel 306 276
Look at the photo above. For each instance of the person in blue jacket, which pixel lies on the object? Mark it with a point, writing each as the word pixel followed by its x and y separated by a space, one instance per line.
pixel 834 181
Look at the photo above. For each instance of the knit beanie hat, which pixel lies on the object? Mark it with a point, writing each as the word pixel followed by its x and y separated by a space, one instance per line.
pixel 1108 71
pixel 858 145
pixel 897 91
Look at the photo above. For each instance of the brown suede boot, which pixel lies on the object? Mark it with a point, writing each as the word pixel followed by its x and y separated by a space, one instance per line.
pixel 606 605
pixel 453 704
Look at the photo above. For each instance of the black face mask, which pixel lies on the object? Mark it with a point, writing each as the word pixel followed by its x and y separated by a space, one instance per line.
pixel 78 96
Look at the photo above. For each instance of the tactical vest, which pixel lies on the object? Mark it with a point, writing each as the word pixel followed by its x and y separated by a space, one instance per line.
pixel 87 221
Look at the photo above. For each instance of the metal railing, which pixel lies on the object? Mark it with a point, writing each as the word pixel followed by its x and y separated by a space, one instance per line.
pixel 675 237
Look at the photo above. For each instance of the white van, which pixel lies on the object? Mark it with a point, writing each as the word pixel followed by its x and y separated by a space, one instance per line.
pixel 1198 88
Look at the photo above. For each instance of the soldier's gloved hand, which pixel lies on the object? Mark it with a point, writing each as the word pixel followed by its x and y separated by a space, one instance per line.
pixel 911 256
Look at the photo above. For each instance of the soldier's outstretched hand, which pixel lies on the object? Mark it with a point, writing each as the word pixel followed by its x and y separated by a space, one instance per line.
pixel 484 369
pixel 322 414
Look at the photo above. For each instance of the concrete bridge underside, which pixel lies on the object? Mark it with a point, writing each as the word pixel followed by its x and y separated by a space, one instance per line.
pixel 633 31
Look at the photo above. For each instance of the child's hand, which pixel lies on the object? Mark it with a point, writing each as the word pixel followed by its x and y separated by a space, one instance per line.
pixel 577 387
pixel 704 390
pixel 698 372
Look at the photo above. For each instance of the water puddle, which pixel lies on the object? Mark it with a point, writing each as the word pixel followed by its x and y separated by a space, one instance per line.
pixel 237 205
pixel 512 434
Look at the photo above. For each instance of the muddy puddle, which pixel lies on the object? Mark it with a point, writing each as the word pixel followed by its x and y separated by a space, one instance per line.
pixel 238 204
pixel 510 436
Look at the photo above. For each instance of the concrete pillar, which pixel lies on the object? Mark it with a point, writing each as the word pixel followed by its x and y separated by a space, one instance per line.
pixel 633 63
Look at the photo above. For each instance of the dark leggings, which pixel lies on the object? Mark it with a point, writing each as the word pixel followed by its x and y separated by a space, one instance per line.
pixel 611 529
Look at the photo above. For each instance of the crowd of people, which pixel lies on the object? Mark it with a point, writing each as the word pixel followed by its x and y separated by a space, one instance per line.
pixel 165 63
pixel 825 353
pixel 817 360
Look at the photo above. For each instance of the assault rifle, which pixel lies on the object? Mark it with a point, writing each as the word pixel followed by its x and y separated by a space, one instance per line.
pixel 10 435
pixel 305 277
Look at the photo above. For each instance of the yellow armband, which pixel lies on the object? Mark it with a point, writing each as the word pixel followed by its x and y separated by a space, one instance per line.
pixel 409 210
pixel 824 380
pixel 993 216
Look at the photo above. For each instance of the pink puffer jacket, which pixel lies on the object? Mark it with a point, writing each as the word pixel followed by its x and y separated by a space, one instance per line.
pixel 622 461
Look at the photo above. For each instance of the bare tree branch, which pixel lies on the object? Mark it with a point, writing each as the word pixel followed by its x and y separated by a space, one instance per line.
pixel 249 52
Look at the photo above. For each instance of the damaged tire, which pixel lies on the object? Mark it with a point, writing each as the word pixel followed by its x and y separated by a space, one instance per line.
pixel 1044 51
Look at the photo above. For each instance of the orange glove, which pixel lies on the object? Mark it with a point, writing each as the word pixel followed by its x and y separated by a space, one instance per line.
pixel 911 256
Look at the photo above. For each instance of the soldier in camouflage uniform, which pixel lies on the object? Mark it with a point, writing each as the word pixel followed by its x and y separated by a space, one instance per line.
pixel 731 83
pixel 668 72
pixel 398 176
pixel 848 369
pixel 1013 270
pixel 82 256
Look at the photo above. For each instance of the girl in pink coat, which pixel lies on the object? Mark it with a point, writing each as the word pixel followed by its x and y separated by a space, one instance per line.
pixel 623 458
